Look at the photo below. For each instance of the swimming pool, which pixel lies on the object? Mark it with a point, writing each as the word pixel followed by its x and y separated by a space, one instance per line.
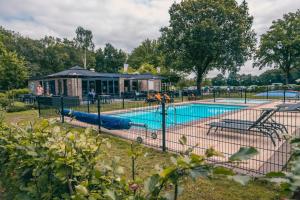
pixel 180 114
pixel 279 93
pixel 242 101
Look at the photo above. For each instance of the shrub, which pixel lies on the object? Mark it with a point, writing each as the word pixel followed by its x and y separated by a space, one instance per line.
pixel 45 161
pixel 14 93
pixel 4 101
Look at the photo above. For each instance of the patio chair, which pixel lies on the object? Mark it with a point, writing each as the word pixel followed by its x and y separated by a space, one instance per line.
pixel 266 117
pixel 258 126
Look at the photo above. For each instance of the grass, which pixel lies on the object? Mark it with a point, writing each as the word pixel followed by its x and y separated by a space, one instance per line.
pixel 220 188
pixel 16 117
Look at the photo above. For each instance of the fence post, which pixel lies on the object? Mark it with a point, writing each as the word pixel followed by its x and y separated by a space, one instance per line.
pixel 62 109
pixel 123 101
pixel 214 93
pixel 99 110
pixel 245 95
pixel 163 108
pixel 267 92
pixel 284 94
pixel 39 105
pixel 88 104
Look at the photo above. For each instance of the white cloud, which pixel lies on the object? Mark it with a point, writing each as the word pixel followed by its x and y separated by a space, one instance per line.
pixel 124 23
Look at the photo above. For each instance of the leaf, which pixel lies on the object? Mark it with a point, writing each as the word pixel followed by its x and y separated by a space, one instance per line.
pixel 111 194
pixel 295 141
pixel 223 171
pixel 243 180
pixel 151 183
pixel 199 172
pixel 166 172
pixel 183 140
pixel 196 158
pixel 275 174
pixel 81 190
pixel 244 153
pixel 210 152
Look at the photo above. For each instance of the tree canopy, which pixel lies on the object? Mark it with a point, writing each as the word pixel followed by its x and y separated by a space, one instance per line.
pixel 84 41
pixel 207 34
pixel 147 52
pixel 13 72
pixel 280 46
pixel 110 59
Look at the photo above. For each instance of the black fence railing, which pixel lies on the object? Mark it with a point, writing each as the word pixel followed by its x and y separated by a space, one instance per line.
pixel 225 127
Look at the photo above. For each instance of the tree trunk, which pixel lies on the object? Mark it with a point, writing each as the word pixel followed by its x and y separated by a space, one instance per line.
pixel 199 80
pixel 287 76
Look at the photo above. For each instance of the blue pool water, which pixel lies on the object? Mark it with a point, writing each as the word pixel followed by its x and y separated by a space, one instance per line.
pixel 279 93
pixel 180 114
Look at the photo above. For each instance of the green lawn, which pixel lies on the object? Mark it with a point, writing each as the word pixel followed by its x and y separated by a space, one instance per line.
pixel 213 189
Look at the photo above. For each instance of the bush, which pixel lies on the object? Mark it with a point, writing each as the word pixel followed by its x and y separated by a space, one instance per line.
pixel 14 93
pixel 4 101
pixel 45 161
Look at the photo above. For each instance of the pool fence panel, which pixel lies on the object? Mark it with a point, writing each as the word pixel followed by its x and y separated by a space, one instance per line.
pixel 225 128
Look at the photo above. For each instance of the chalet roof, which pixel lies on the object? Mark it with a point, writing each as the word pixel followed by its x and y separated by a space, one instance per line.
pixel 79 72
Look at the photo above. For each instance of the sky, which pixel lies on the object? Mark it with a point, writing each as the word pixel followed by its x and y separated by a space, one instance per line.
pixel 123 23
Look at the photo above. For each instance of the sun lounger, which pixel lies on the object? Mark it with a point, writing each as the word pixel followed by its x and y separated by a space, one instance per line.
pixel 260 125
pixel 243 127
pixel 265 120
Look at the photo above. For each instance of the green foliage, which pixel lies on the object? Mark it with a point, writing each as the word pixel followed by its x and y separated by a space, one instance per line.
pixel 84 41
pixel 13 72
pixel 280 46
pixel 245 153
pixel 208 34
pixel 147 52
pixel 45 161
pixel 110 59
pixel 4 101
pixel 18 107
pixel 147 68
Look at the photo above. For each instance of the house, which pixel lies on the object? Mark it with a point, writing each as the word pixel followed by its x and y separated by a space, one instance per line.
pixel 77 81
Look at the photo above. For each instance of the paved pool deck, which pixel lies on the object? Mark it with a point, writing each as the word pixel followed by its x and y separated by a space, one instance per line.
pixel 270 157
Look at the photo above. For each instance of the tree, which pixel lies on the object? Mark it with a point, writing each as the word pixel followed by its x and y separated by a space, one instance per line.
pixel 110 59
pixel 219 80
pixel 208 34
pixel 84 42
pixel 271 76
pixel 146 52
pixel 13 72
pixel 147 68
pixel 233 79
pixel 280 46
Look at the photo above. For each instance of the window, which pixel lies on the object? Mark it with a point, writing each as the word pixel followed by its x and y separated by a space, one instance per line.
pixel 126 85
pixel 84 88
pixel 111 87
pixel 65 87
pixel 92 85
pixel 116 86
pixel 135 86
pixel 104 87
pixel 59 87
pixel 52 87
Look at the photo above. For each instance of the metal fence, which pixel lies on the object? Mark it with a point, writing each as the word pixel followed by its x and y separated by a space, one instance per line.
pixel 206 124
